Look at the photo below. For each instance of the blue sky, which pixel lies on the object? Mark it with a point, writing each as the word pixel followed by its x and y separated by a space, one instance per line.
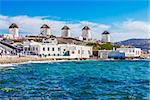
pixel 91 10
pixel 108 12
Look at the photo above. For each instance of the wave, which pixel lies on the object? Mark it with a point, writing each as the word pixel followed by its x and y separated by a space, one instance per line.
pixel 30 62
pixel 6 65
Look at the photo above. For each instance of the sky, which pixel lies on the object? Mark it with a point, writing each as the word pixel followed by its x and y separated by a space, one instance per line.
pixel 124 19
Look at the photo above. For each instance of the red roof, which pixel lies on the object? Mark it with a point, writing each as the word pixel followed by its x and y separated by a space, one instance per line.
pixel 86 28
pixel 105 32
pixel 13 25
pixel 45 26
pixel 65 27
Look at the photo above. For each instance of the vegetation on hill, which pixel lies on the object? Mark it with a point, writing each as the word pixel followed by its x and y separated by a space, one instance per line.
pixel 139 43
pixel 102 46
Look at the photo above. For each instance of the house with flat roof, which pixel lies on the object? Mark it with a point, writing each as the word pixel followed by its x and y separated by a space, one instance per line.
pixel 54 50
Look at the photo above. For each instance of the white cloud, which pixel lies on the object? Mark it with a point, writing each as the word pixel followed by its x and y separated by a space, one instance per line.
pixel 3 17
pixel 119 31
pixel 32 25
pixel 135 25
pixel 120 36
pixel 130 29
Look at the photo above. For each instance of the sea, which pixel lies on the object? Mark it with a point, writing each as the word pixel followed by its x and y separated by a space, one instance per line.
pixel 77 80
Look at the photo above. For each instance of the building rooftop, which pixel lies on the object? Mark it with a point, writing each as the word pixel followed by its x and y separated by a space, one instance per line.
pixel 45 26
pixel 65 27
pixel 105 32
pixel 13 25
pixel 86 28
pixel 61 40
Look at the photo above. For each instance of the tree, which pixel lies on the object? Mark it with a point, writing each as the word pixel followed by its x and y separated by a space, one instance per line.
pixel 104 46
pixel 95 45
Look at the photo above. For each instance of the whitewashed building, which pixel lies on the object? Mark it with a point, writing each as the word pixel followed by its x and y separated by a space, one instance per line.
pixel 6 49
pixel 54 50
pixel 86 34
pixel 131 52
pixel 65 32
pixel 103 54
pixel 105 36
pixel 13 32
pixel 45 30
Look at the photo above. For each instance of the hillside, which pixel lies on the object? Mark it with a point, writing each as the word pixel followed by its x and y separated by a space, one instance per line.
pixel 144 44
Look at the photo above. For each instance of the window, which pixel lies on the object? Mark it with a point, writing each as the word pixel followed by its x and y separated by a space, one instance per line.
pixel 48 49
pixel 137 52
pixel 82 51
pixel 52 49
pixel 26 49
pixel 78 51
pixel 33 48
pixel 90 52
pixel 58 49
pixel 36 48
pixel 64 49
pixel 43 49
pixel 72 52
pixel 133 51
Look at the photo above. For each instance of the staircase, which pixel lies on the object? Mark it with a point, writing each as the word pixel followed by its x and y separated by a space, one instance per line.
pixel 8 47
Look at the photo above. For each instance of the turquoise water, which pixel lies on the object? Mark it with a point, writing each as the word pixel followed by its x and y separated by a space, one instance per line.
pixel 82 80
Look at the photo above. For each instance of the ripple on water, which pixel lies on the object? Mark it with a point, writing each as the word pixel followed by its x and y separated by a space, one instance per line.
pixel 77 80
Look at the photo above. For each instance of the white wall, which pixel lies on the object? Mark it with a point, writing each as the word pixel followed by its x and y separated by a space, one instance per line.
pixel 103 54
pixel 65 33
pixel 45 31
pixel 75 51
pixel 105 37
pixel 130 52
pixel 86 34
pixel 14 32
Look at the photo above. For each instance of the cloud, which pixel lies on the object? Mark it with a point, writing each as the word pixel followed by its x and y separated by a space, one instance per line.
pixel 136 25
pixel 119 30
pixel 31 25
pixel 130 29
pixel 3 22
